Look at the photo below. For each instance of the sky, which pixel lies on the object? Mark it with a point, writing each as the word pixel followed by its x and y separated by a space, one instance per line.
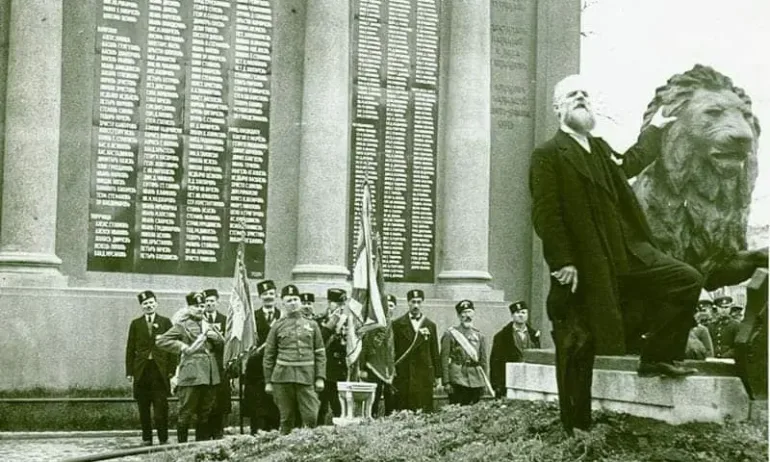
pixel 631 47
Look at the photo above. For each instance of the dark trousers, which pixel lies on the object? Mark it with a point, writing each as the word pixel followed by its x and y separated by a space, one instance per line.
pixel 464 395
pixel 195 404
pixel 220 408
pixel 260 408
pixel 293 398
pixel 386 395
pixel 151 395
pixel 670 290
pixel 574 370
pixel 329 400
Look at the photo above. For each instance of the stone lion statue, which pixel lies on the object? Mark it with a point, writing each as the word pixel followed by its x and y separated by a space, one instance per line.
pixel 697 194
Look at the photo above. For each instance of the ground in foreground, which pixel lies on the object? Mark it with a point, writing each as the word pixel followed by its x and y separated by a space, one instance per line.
pixel 494 431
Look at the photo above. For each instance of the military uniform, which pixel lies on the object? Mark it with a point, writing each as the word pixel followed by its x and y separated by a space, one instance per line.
pixel 466 373
pixel 723 331
pixel 294 359
pixel 198 372
pixel 222 405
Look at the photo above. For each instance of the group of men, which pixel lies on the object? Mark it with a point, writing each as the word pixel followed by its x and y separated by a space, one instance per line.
pixel 718 322
pixel 292 371
pixel 183 354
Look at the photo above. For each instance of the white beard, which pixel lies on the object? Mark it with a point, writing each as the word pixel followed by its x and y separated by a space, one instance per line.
pixel 580 119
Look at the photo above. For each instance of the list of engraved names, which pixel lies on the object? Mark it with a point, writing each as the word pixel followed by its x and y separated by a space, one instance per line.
pixel 180 135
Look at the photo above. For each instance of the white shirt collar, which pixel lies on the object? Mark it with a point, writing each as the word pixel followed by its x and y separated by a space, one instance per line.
pixel 581 139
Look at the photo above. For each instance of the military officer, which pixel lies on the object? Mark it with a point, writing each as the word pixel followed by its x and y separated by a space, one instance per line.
pixel 308 305
pixel 464 358
pixel 198 370
pixel 723 328
pixel 336 353
pixel 294 364
pixel 509 343
pixel 222 405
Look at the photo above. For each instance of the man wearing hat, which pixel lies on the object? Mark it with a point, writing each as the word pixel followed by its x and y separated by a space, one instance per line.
pixel 723 328
pixel 222 405
pixel 418 363
pixel 308 305
pixel 336 353
pixel 198 376
pixel 509 344
pixel 258 405
pixel 295 364
pixel 148 368
pixel 464 358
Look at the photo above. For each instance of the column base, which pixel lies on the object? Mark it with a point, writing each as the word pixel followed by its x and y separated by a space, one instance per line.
pixel 456 285
pixel 319 278
pixel 26 269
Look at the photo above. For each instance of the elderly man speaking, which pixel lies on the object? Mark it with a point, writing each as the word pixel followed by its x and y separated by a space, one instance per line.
pixel 601 254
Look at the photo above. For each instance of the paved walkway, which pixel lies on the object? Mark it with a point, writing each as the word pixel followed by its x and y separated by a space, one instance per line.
pixel 57 449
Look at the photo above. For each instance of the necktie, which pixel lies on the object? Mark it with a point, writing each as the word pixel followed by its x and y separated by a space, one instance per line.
pixel 416 317
pixel 211 318
pixel 269 317
pixel 149 323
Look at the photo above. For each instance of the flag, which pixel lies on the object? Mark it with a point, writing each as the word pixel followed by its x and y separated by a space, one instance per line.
pixel 368 336
pixel 241 333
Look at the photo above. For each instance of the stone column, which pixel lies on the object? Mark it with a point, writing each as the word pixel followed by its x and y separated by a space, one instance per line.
pixel 32 107
pixel 325 145
pixel 465 232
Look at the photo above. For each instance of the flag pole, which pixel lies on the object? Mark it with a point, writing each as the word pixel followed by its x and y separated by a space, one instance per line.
pixel 242 239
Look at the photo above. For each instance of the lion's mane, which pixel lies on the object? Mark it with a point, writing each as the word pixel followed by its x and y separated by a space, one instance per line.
pixel 694 214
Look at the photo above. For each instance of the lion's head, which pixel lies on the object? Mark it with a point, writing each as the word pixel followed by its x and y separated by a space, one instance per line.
pixel 696 195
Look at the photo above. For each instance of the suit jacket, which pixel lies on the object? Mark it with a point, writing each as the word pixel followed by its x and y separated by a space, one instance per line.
pixel 141 344
pixel 591 224
pixel 505 350
pixel 254 370
pixel 416 373
pixel 198 368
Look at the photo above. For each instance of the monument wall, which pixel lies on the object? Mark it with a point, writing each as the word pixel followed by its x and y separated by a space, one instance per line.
pixel 74 334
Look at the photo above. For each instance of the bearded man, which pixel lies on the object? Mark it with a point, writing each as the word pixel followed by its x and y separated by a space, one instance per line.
pixel 600 251
pixel 464 358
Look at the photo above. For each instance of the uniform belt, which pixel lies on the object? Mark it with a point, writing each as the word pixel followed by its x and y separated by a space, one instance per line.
pixel 283 362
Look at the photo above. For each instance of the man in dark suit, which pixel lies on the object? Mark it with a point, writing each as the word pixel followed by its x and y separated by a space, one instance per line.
pixel 222 405
pixel 259 406
pixel 418 364
pixel 601 254
pixel 336 354
pixel 509 344
pixel 149 368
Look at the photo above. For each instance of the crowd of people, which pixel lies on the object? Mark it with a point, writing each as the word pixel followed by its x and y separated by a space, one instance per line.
pixel 717 327
pixel 291 373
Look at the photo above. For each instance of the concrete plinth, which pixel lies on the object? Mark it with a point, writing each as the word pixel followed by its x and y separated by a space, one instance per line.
pixel 698 398
pixel 356 400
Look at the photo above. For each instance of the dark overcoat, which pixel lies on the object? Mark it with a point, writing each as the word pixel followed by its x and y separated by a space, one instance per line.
pixel 576 216
pixel 416 373
pixel 255 400
pixel 504 350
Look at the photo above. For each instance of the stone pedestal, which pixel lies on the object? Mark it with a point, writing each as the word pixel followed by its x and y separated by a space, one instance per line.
pixel 324 148
pixel 356 399
pixel 30 167
pixel 465 235
pixel 714 395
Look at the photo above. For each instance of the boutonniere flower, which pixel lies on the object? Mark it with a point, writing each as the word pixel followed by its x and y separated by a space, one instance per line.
pixel 425 332
pixel 155 326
